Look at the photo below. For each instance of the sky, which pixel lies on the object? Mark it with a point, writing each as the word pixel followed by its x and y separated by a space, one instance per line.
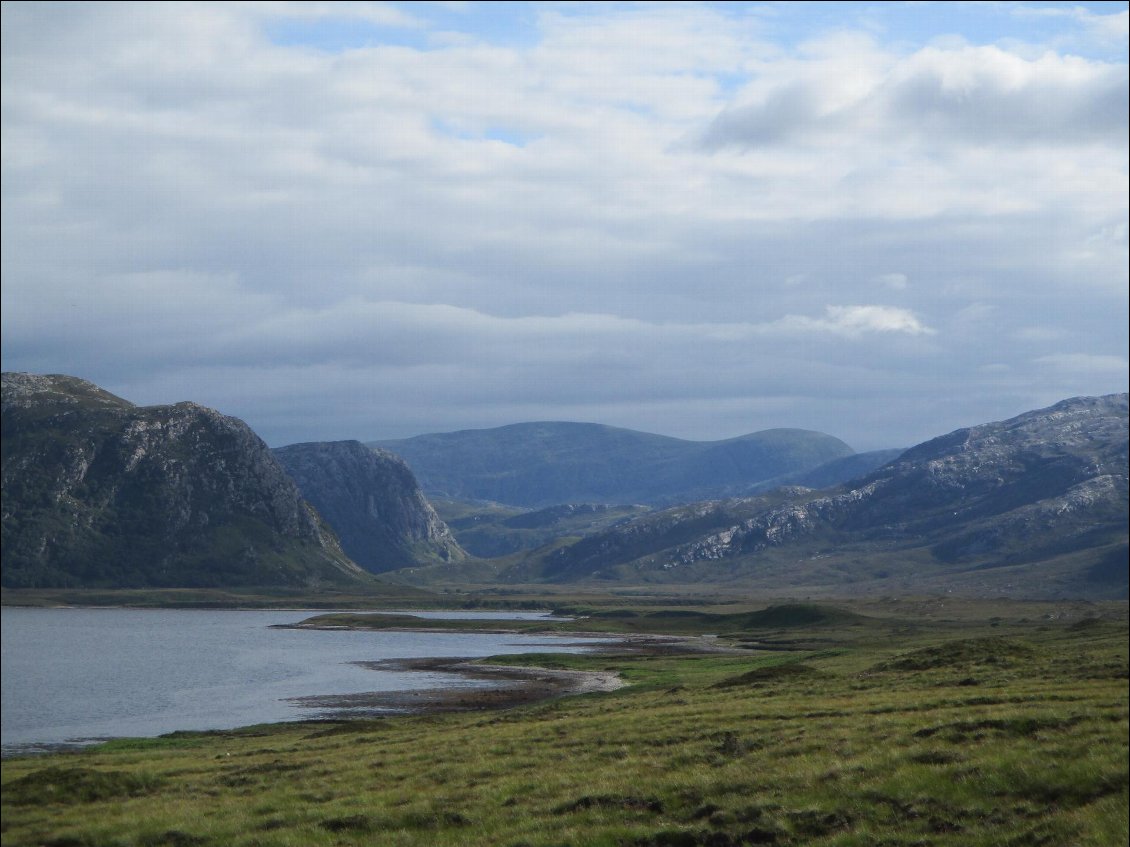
pixel 882 221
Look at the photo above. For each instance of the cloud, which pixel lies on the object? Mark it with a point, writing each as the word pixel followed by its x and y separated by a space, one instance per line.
pixel 384 14
pixel 665 216
pixel 168 313
pixel 856 321
pixel 988 95
pixel 1104 30
pixel 1109 29
pixel 981 94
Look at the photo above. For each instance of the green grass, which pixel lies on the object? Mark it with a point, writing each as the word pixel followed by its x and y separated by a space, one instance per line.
pixel 765 623
pixel 970 732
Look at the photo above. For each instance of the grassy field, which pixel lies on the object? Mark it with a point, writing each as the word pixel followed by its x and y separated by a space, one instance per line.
pixel 889 725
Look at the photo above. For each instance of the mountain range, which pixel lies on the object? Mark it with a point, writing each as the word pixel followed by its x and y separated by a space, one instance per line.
pixel 99 492
pixel 1032 506
pixel 534 465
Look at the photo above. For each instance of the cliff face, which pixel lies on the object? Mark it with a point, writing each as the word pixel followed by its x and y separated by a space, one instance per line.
pixel 99 492
pixel 373 502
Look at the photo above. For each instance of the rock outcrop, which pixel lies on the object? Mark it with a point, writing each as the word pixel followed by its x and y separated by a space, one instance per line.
pixel 99 492
pixel 1047 485
pixel 373 502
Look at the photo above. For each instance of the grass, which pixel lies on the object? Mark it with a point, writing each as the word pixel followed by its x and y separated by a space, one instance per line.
pixel 953 732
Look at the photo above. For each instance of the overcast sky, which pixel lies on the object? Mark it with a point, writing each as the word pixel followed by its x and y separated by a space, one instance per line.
pixel 366 220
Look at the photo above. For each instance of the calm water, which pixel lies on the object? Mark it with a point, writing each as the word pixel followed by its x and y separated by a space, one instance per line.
pixel 77 675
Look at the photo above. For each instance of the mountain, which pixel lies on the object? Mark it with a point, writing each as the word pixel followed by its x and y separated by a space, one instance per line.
pixel 1032 506
pixel 833 473
pixel 545 464
pixel 98 492
pixel 490 530
pixel 373 502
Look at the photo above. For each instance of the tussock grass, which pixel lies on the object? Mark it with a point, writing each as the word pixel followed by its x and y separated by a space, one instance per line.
pixel 65 786
pixel 876 738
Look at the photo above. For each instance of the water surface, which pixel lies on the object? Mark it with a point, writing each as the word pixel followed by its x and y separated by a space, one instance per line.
pixel 71 676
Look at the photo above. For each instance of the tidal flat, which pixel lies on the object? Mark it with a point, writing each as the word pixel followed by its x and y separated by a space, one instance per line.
pixel 895 724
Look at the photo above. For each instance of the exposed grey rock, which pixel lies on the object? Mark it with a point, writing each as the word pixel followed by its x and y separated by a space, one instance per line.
pixel 1045 484
pixel 373 502
pixel 99 492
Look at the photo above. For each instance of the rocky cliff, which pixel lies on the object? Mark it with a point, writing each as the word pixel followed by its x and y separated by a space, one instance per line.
pixel 100 492
pixel 373 502
pixel 1049 486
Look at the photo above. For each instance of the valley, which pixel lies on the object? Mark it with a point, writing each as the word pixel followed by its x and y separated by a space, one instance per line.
pixel 102 494
pixel 539 424
pixel 929 649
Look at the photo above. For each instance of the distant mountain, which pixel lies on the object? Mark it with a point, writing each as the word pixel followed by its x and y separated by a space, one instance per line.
pixel 373 502
pixel 490 530
pixel 833 473
pixel 98 492
pixel 1033 506
pixel 545 464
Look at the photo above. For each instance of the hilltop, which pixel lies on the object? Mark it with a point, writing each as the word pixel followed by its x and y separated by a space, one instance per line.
pixel 98 492
pixel 1035 506
pixel 535 465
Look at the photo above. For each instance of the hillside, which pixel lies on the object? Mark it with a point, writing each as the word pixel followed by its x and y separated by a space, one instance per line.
pixel 1035 506
pixel 98 492
pixel 835 472
pixel 544 464
pixel 372 501
pixel 490 530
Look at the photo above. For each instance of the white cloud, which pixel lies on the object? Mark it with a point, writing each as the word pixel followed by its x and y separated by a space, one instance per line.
pixel 384 14
pixel 185 200
pixel 856 321
pixel 1110 29
pixel 1105 30
pixel 982 94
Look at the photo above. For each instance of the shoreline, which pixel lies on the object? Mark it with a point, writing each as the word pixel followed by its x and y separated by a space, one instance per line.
pixel 514 685
pixel 482 686
pixel 511 686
